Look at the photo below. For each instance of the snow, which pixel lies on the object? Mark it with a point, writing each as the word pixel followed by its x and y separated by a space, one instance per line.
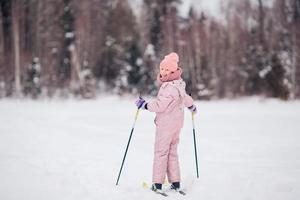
pixel 69 35
pixel 150 50
pixel 265 71
pixel 68 149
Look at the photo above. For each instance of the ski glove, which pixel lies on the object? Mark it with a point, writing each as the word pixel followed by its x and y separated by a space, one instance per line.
pixel 193 109
pixel 141 103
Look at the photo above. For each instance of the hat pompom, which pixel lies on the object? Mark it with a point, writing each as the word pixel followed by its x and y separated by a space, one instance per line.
pixel 172 56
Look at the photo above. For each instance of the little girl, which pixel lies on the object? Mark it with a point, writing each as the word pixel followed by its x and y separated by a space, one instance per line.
pixel 169 107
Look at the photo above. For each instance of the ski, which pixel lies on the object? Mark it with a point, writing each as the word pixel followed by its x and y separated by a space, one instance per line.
pixel 145 186
pixel 161 193
pixel 181 192
pixel 178 191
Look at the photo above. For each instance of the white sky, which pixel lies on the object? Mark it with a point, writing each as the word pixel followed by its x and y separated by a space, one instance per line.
pixel 211 7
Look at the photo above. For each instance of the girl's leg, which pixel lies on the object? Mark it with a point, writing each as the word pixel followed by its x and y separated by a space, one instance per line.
pixel 163 140
pixel 173 169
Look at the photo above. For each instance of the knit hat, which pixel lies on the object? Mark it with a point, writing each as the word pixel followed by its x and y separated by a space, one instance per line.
pixel 170 62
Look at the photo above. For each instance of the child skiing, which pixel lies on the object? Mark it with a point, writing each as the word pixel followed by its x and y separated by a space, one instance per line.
pixel 169 108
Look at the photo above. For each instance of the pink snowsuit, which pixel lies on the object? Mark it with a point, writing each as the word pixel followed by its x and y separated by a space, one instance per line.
pixel 169 108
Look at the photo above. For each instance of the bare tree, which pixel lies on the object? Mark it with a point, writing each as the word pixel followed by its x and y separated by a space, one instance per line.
pixel 296 45
pixel 16 39
pixel 261 16
pixel 2 68
pixel 1 47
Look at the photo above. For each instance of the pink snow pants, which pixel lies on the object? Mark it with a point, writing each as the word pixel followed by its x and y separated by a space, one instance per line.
pixel 165 157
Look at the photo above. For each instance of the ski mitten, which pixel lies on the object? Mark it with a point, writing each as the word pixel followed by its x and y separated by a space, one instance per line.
pixel 141 103
pixel 193 109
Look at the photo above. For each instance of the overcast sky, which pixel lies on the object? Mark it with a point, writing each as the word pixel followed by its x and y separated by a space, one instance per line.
pixel 211 7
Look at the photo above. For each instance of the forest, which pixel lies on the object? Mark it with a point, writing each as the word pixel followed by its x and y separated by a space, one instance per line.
pixel 75 48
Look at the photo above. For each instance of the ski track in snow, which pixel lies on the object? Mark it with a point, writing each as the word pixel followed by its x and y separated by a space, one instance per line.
pixel 54 149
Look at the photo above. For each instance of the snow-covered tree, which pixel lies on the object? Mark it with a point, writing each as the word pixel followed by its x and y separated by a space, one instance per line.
pixel 32 82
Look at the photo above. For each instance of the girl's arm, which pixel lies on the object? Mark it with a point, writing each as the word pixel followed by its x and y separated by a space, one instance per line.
pixel 188 100
pixel 163 100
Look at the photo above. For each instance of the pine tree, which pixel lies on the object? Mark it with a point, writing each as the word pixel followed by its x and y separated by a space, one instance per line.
pixel 32 85
pixel 67 25
pixel 120 60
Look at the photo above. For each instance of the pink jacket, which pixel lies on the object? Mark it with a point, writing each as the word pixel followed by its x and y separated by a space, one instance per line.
pixel 169 105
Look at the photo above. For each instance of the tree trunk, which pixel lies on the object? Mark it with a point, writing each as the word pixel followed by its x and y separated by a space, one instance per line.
pixel 261 22
pixel 37 26
pixel 2 68
pixel 75 66
pixel 296 47
pixel 16 45
pixel 1 46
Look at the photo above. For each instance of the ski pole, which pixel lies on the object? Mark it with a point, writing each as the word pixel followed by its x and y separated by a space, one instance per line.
pixel 132 129
pixel 195 145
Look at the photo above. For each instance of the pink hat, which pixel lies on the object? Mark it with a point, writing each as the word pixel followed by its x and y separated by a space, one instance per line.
pixel 170 62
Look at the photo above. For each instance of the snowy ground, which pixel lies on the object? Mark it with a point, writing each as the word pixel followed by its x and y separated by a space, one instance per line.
pixel 72 150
